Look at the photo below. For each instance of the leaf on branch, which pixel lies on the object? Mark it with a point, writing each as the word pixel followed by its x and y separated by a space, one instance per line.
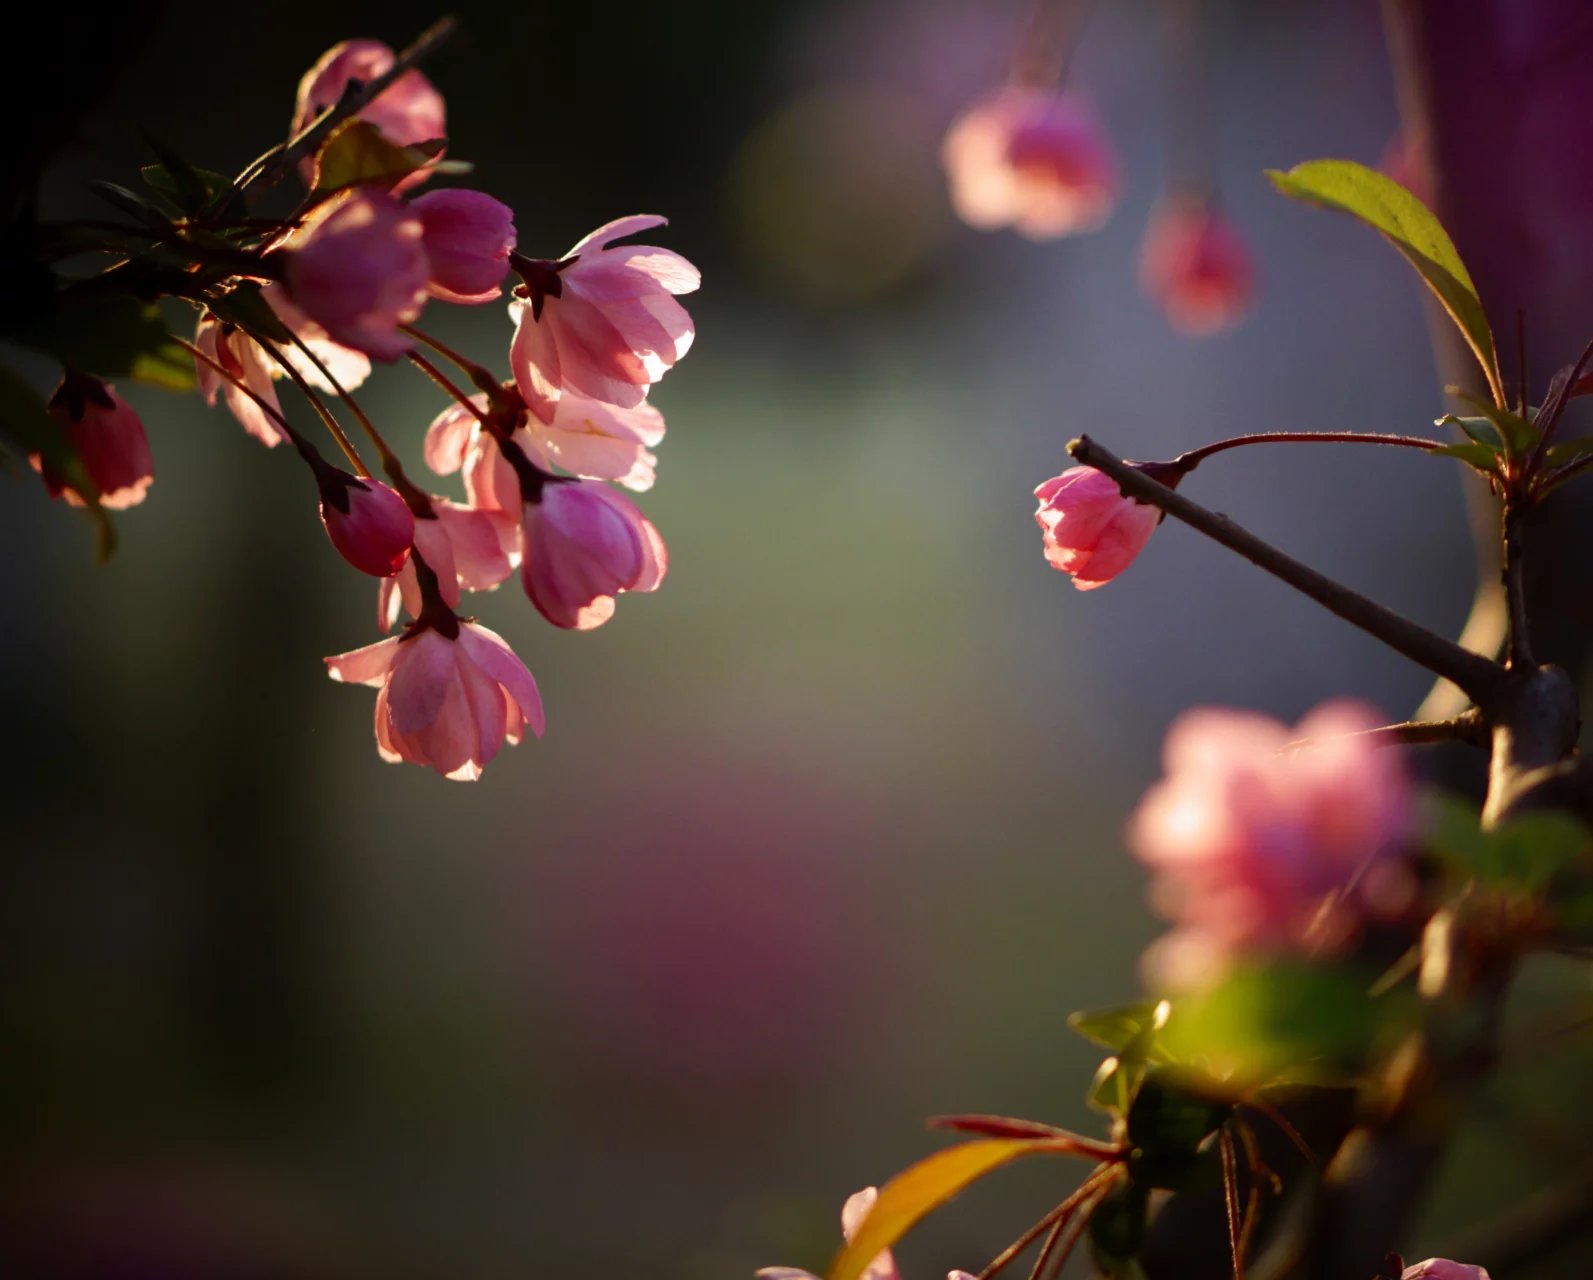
pixel 189 188
pixel 355 154
pixel 1519 433
pixel 921 1188
pixel 1413 229
pixel 1483 457
pixel 1526 852
pixel 246 307
pixel 115 337
pixel 26 422
pixel 129 202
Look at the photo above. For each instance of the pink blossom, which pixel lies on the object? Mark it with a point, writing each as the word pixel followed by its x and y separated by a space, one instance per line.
pixel 359 270
pixel 466 548
pixel 883 1267
pixel 247 363
pixel 1444 1269
pixel 408 111
pixel 108 439
pixel 348 367
pixel 1257 850
pixel 1091 530
pixel 1031 158
pixel 468 236
pixel 582 544
pixel 369 524
pixel 445 701
pixel 1196 265
pixel 601 322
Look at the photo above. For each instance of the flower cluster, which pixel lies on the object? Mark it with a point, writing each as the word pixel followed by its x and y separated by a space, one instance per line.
pixel 318 297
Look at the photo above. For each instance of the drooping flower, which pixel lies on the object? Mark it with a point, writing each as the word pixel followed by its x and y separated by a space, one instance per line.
pixel 358 268
pixel 369 524
pixel 1444 1269
pixel 468 236
pixel 1092 531
pixel 108 438
pixel 445 701
pixel 1197 267
pixel 883 1267
pixel 602 321
pixel 247 363
pixel 468 549
pixel 1259 851
pixel 583 543
pixel 1031 158
pixel 408 111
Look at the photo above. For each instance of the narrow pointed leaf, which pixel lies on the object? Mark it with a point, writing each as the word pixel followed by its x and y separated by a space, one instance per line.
pixel 924 1187
pixel 1413 229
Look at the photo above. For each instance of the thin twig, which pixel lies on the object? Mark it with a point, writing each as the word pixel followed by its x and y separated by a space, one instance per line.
pixel 1468 727
pixel 1480 678
pixel 325 414
pixel 1193 456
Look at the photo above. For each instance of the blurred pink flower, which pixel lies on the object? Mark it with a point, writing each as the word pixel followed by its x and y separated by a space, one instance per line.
pixel 882 1267
pixel 1444 1269
pixel 108 439
pixel 468 236
pixel 410 110
pixel 601 322
pixel 466 548
pixel 359 269
pixel 349 367
pixel 1031 158
pixel 1196 265
pixel 1092 532
pixel 582 544
pixel 369 524
pixel 447 702
pixel 1255 850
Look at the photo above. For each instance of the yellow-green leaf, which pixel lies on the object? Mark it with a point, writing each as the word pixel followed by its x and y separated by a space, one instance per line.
pixel 1413 229
pixel 924 1187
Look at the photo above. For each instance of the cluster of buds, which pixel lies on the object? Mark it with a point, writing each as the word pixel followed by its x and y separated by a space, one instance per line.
pixel 317 296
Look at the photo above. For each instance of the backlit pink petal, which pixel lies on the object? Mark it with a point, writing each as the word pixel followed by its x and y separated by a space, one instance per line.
pixel 1444 1269
pixel 1091 531
pixel 492 655
pixel 600 441
pixel 407 112
pixel 1195 264
pixel 246 363
pixel 109 440
pixel 1256 850
pixel 347 366
pixel 369 524
pixel 1031 158
pixel 368 665
pixel 360 271
pixel 450 434
pixel 421 679
pixel 619 229
pixel 463 546
pixel 468 236
pixel 583 543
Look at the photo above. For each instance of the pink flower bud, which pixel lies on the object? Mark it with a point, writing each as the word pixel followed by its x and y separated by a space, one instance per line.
pixel 1195 264
pixel 1034 159
pixel 602 322
pixel 582 544
pixel 408 111
pixel 446 702
pixel 109 441
pixel 359 270
pixel 1091 530
pixel 468 236
pixel 1444 1269
pixel 1256 850
pixel 369 524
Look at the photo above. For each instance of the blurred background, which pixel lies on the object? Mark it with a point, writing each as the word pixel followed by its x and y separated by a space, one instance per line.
pixel 825 836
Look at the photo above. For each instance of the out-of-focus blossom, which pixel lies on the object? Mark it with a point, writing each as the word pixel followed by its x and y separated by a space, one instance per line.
pixel 447 702
pixel 1258 851
pixel 1197 267
pixel 348 367
pixel 1401 162
pixel 882 1267
pixel 602 321
pixel 359 270
pixel 369 524
pixel 108 439
pixel 1031 158
pixel 408 111
pixel 1444 1269
pixel 246 363
pixel 466 548
pixel 582 544
pixel 468 236
pixel 1092 532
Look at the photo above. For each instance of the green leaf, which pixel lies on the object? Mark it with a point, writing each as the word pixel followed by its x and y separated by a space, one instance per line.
pixel 1117 1028
pixel 356 153
pixel 247 308
pixel 1518 433
pixel 191 189
pixel 924 1187
pixel 1170 1117
pixel 129 202
pixel 1117 1228
pixel 1558 455
pixel 26 422
pixel 114 337
pixel 1483 457
pixel 1412 228
pixel 1525 852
